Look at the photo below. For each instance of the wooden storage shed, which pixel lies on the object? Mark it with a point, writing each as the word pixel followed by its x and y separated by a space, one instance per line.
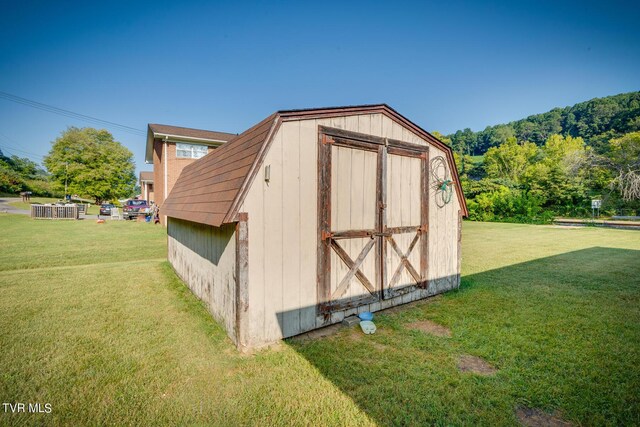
pixel 314 215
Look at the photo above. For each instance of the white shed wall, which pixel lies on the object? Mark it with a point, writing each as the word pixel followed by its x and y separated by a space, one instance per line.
pixel 283 231
pixel 204 257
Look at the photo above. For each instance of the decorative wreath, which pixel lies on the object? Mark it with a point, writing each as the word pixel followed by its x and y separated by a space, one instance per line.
pixel 442 182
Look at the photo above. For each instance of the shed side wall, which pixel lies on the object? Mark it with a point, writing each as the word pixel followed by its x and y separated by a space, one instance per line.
pixel 283 221
pixel 443 239
pixel 204 258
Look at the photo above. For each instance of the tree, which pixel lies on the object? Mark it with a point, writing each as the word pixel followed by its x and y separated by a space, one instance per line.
pixel 458 158
pixel 559 174
pixel 27 168
pixel 596 121
pixel 497 135
pixel 10 180
pixel 22 174
pixel 622 161
pixel 510 160
pixel 441 137
pixel 91 163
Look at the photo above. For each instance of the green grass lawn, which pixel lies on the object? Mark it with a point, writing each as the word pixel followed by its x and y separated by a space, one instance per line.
pixel 95 323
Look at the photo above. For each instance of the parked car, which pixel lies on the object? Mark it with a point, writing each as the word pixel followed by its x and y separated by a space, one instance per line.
pixel 105 209
pixel 134 208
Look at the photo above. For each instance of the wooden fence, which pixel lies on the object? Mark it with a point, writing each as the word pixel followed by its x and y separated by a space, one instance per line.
pixel 54 211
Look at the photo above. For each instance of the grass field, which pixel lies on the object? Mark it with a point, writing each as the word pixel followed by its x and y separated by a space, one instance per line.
pixel 95 323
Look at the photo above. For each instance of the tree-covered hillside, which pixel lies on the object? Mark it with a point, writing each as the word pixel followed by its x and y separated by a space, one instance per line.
pixel 596 121
pixel 554 163
pixel 21 174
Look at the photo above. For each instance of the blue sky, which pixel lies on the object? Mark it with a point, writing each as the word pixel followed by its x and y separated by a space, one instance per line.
pixel 445 65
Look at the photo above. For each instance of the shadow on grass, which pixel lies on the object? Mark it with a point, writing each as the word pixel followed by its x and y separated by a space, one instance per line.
pixel 563 332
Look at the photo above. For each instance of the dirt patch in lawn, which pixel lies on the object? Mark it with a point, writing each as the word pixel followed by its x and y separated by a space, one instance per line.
pixel 475 365
pixel 379 347
pixel 356 334
pixel 532 417
pixel 430 327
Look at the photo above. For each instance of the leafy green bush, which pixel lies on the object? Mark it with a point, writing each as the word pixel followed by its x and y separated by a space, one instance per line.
pixel 508 205
pixel 10 180
pixel 41 187
pixel 21 174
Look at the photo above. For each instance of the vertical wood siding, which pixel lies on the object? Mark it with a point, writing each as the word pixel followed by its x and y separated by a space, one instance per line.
pixel 204 257
pixel 353 201
pixel 443 240
pixel 403 209
pixel 283 223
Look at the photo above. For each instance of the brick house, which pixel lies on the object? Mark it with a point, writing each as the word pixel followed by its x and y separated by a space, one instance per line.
pixel 171 148
pixel 146 186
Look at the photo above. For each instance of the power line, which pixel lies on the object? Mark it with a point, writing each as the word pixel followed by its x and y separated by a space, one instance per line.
pixel 9 148
pixel 12 147
pixel 19 153
pixel 38 158
pixel 68 113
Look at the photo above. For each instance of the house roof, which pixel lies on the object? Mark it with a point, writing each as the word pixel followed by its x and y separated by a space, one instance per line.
pixel 146 176
pixel 178 133
pixel 211 190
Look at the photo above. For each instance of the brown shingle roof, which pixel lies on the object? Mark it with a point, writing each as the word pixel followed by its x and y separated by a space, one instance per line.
pixel 209 137
pixel 146 176
pixel 206 188
pixel 192 133
pixel 210 190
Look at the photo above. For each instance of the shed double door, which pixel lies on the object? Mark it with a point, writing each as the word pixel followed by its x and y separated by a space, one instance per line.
pixel 373 213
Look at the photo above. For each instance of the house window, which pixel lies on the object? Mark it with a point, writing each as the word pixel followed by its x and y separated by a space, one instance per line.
pixel 190 151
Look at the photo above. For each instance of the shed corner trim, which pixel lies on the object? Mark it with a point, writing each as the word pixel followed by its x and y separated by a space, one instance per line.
pixel 242 281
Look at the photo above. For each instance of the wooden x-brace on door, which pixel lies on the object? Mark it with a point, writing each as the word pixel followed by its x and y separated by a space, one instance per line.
pixel 372 218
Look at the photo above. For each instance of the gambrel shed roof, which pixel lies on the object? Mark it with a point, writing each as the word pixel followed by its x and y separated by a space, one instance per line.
pixel 211 190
